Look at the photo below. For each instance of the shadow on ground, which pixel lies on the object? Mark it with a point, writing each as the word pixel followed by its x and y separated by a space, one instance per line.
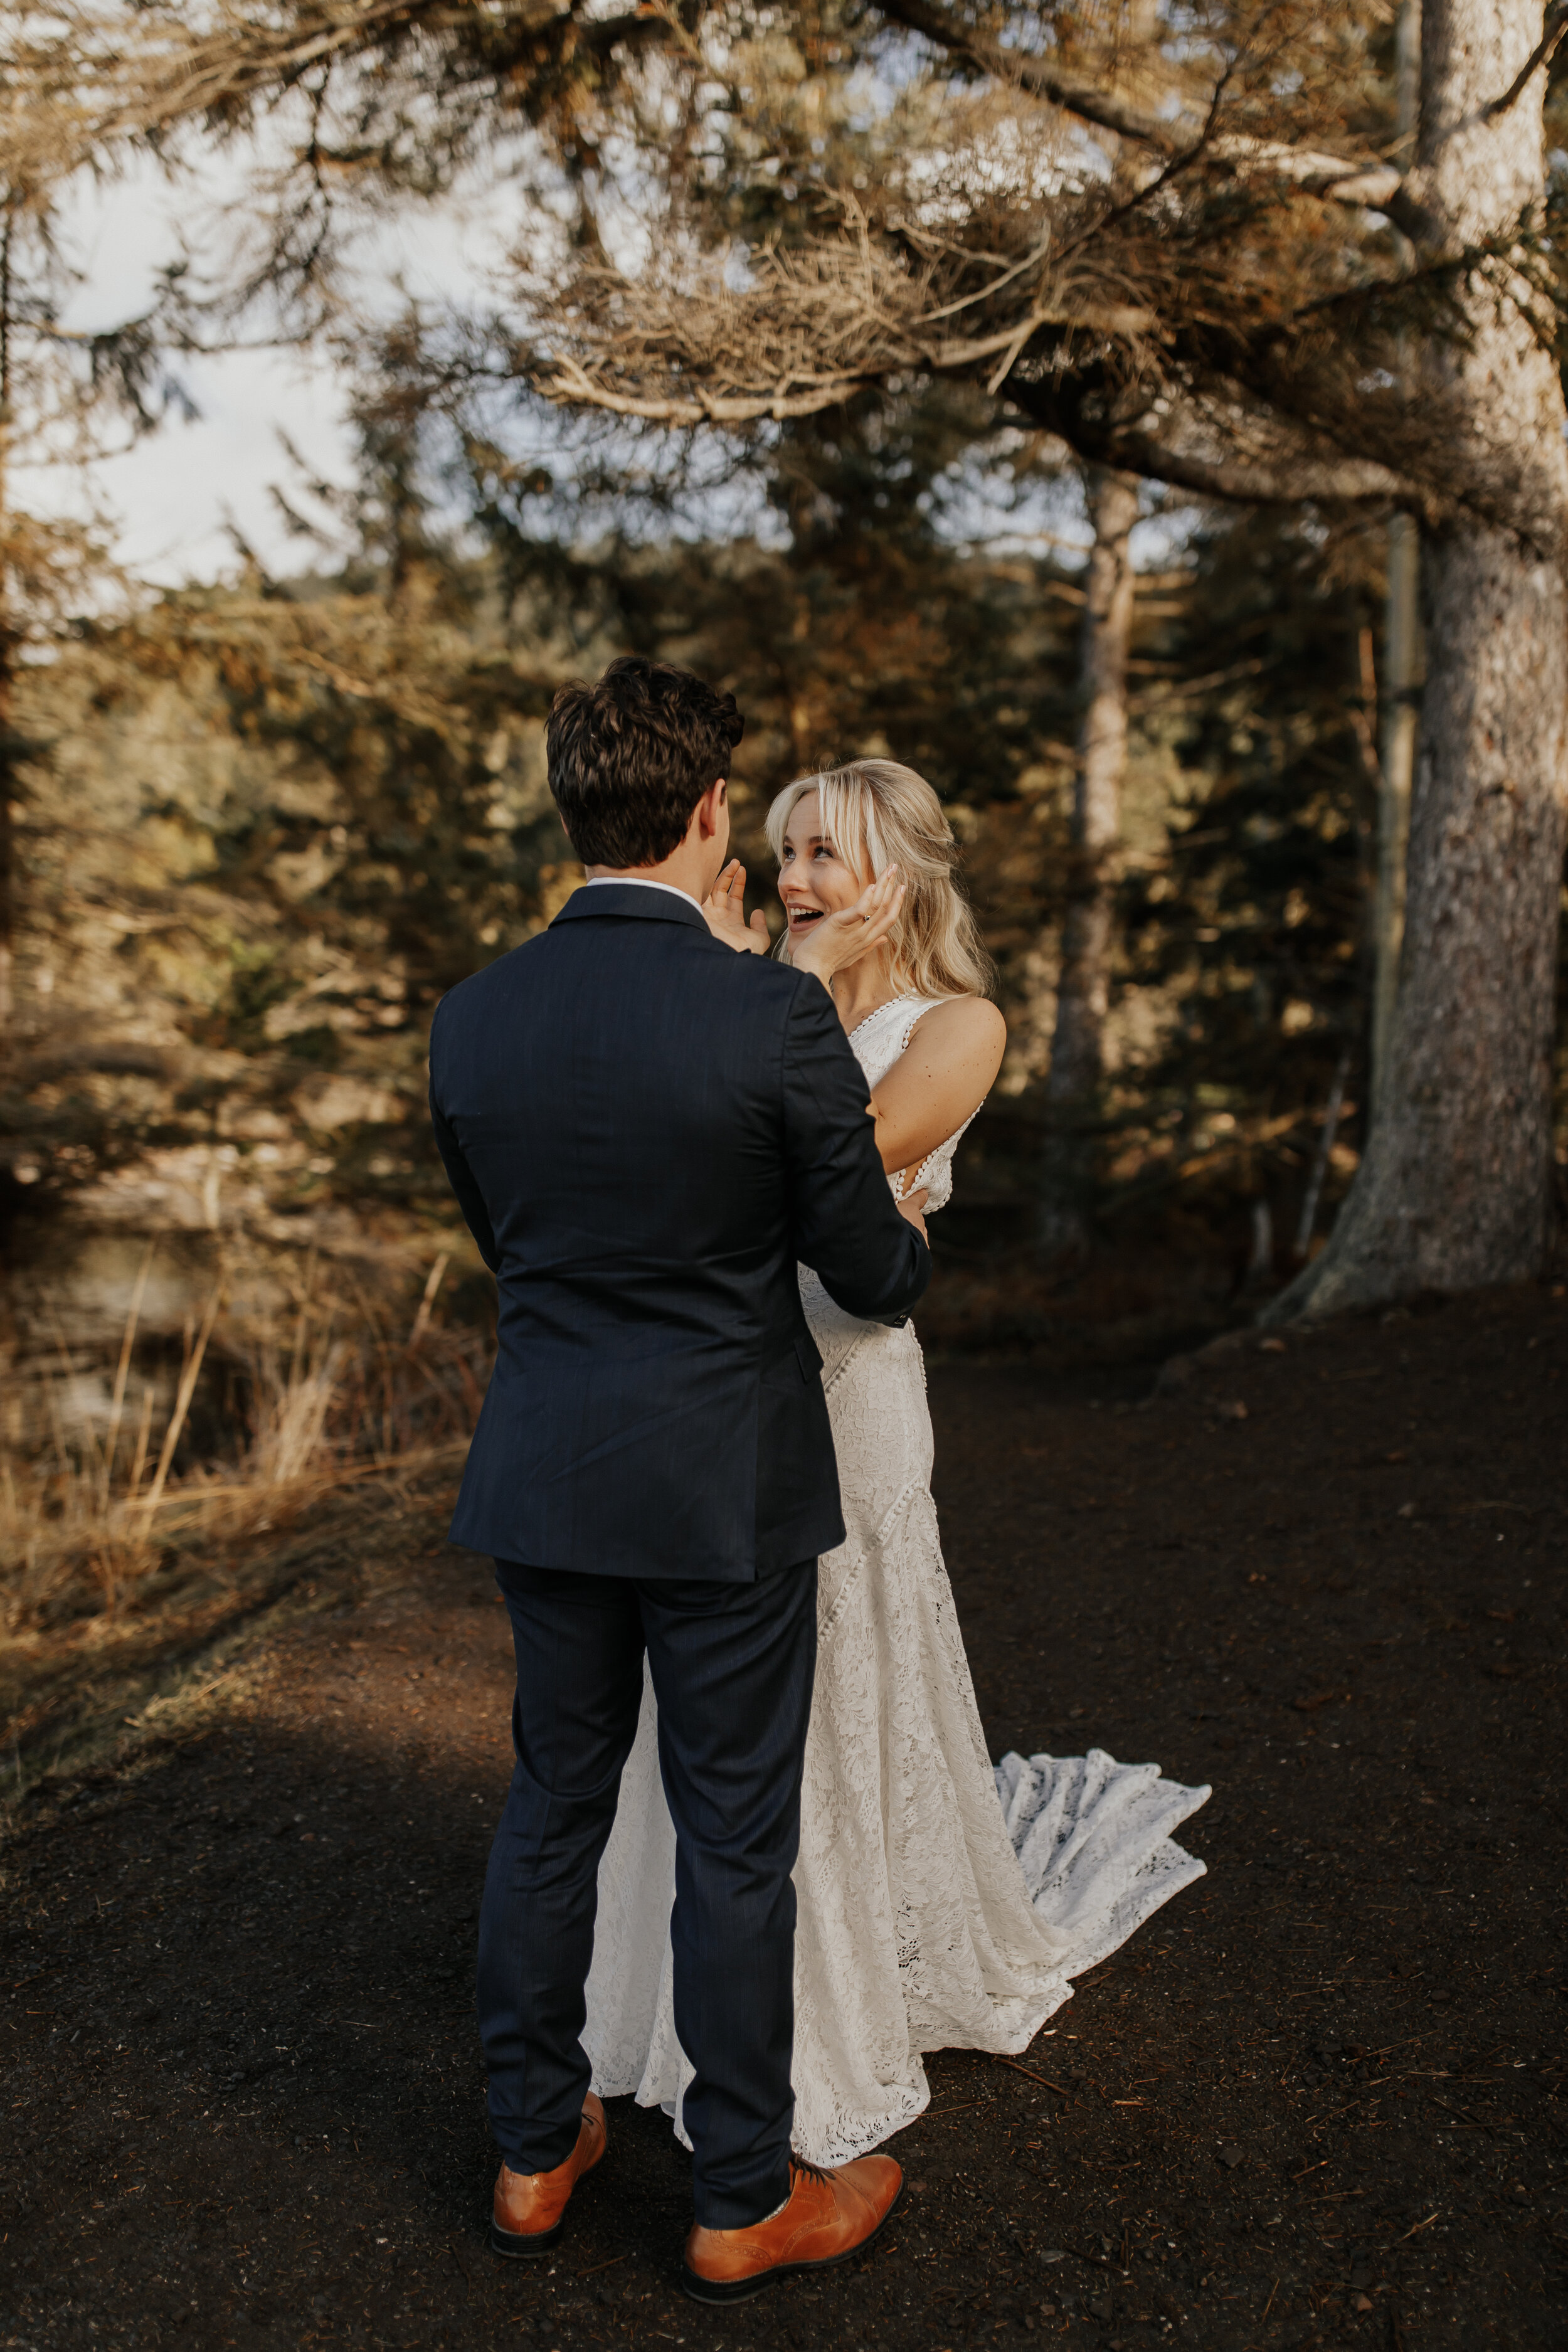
pixel 1311 2103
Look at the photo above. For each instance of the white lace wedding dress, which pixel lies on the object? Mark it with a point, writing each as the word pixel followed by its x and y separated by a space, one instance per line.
pixel 943 1903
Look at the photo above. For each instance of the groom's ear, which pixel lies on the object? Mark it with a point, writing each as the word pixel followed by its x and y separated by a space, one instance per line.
pixel 708 807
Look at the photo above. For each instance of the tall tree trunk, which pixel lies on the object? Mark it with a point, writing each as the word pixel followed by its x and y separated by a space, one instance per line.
pixel 1395 781
pixel 7 769
pixel 1401 652
pixel 1455 1189
pixel 8 638
pixel 1083 994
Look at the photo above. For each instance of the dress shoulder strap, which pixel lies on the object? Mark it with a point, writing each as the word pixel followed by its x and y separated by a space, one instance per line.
pixel 914 1010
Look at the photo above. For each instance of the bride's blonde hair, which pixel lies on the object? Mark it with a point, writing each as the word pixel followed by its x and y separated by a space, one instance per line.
pixel 878 814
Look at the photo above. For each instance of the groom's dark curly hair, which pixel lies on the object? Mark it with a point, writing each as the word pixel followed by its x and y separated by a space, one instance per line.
pixel 631 757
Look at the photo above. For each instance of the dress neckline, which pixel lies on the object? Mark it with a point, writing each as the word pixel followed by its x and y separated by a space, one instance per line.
pixel 909 996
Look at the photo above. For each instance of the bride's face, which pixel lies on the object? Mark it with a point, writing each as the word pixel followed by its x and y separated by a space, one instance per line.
pixel 814 880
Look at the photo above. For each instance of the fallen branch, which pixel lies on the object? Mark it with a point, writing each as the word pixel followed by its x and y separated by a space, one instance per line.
pixel 1046 2079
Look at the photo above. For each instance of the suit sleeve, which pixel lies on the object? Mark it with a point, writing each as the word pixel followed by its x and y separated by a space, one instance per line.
pixel 470 1199
pixel 870 1259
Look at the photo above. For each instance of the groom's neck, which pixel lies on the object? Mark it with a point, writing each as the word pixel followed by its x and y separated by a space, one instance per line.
pixel 690 867
pixel 694 863
pixel 670 871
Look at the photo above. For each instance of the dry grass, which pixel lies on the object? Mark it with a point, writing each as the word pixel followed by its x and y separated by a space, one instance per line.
pixel 352 1391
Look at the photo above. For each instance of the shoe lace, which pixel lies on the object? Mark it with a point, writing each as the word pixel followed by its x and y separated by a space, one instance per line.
pixel 811 2172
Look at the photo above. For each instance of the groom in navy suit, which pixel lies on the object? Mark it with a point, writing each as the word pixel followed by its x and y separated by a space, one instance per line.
pixel 646 1131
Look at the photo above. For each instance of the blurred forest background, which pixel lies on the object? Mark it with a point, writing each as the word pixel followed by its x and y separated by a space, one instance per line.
pixel 258 825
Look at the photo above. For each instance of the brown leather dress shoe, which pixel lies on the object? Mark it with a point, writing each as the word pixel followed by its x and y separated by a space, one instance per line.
pixel 526 2219
pixel 826 2217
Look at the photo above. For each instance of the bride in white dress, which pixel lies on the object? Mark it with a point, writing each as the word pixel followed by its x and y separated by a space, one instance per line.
pixel 943 1903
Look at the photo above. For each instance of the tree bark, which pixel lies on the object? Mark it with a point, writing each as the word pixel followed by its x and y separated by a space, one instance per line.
pixel 1396 780
pixel 7 774
pixel 7 641
pixel 1454 1191
pixel 1083 992
pixel 1401 652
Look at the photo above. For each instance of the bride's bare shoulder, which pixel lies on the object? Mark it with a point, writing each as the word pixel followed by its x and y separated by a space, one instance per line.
pixel 966 1028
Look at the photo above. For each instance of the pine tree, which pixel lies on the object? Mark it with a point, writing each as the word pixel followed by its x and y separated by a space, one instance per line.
pixel 1173 248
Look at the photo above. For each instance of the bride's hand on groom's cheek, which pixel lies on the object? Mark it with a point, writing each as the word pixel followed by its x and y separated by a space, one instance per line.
pixel 725 907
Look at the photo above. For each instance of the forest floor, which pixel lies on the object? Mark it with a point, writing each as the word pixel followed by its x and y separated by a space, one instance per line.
pixel 1311 2103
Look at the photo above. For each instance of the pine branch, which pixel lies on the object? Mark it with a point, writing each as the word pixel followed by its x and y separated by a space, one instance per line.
pixel 1288 482
pixel 1542 55
pixel 1088 100
pixel 1359 180
pixel 591 380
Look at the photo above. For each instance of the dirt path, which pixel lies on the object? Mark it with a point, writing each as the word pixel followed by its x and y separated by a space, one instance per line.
pixel 1311 2103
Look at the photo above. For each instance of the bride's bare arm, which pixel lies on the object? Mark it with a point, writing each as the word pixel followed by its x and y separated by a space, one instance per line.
pixel 940 1078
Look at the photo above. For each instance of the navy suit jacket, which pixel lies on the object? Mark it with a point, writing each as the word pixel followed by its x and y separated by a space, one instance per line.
pixel 646 1131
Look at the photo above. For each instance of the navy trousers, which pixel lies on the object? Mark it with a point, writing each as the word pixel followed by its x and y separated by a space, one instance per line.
pixel 733 1666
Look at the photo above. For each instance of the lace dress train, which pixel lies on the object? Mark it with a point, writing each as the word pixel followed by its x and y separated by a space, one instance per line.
pixel 943 1903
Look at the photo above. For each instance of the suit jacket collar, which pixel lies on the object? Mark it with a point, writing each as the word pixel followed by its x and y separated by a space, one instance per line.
pixel 605 899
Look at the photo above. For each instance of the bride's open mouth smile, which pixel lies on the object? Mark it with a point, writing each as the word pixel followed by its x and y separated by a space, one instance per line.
pixel 802 917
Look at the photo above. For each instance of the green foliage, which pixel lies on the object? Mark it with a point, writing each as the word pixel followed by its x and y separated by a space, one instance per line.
pixel 303 808
pixel 1257 923
pixel 300 810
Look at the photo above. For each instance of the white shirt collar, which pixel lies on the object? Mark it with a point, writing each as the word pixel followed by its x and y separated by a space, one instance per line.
pixel 637 882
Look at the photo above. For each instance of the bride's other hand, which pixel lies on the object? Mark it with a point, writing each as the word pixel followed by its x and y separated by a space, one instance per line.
pixel 725 907
pixel 912 1207
pixel 843 938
